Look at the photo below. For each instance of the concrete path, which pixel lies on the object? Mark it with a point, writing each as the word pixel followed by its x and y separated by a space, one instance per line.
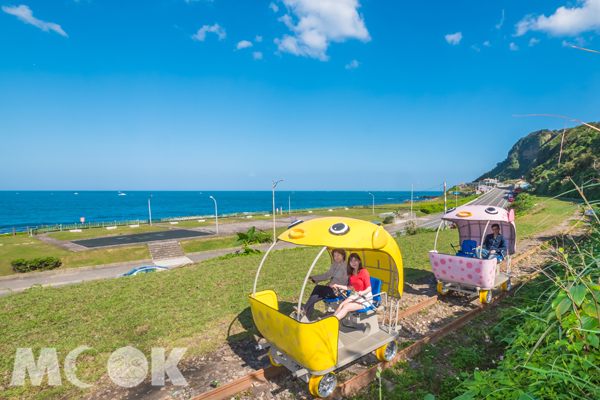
pixel 21 283
pixel 60 243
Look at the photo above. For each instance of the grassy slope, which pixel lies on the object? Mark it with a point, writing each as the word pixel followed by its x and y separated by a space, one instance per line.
pixel 157 310
pixel 102 232
pixel 14 247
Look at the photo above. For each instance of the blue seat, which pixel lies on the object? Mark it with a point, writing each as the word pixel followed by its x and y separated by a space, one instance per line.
pixel 375 288
pixel 339 298
pixel 467 249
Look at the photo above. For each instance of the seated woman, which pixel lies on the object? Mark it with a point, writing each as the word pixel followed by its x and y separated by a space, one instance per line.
pixel 360 281
pixel 337 274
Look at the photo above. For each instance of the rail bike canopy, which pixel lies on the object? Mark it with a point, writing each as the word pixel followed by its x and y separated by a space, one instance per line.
pixel 474 222
pixel 377 249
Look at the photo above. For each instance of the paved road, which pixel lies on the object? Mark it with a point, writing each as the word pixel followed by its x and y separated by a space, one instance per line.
pixel 496 197
pixel 11 286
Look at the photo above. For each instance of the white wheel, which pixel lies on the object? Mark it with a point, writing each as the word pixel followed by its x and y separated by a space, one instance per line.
pixel 322 385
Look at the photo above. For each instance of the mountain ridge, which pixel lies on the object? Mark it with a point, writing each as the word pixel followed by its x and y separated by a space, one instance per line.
pixel 535 158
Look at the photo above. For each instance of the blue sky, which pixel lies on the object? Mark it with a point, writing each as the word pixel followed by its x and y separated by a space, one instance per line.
pixel 327 94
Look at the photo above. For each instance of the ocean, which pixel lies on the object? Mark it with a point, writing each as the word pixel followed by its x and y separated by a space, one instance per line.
pixel 34 208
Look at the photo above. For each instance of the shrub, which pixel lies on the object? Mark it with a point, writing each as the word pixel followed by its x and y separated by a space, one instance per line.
pixel 37 264
pixel 411 228
pixel 388 220
pixel 522 204
pixel 253 237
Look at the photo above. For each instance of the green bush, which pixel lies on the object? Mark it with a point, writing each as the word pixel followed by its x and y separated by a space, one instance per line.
pixel 432 208
pixel 523 203
pixel 388 220
pixel 37 264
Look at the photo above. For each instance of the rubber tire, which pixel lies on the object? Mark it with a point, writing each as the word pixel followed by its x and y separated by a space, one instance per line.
pixel 315 380
pixel 506 286
pixel 440 289
pixel 380 352
pixel 273 361
pixel 483 296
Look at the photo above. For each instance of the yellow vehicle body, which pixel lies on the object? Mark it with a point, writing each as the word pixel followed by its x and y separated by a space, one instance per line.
pixel 312 345
pixel 322 346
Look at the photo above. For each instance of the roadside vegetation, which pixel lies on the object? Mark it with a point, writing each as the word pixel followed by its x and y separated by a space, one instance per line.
pixel 23 246
pixel 540 343
pixel 558 163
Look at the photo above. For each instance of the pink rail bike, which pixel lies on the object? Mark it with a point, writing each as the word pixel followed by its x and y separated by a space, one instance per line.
pixel 463 271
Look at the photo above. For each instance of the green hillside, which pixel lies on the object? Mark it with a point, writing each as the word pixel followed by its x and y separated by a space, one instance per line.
pixel 535 158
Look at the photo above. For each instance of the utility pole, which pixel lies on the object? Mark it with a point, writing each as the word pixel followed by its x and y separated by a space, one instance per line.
pixel 412 188
pixel 216 214
pixel 445 208
pixel 149 211
pixel 373 202
pixel 274 212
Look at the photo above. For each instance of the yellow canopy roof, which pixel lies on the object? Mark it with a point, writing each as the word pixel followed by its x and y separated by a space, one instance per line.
pixel 378 249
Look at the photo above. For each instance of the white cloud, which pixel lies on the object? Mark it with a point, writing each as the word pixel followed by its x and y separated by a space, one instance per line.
pixel 258 38
pixel 243 44
pixel 257 55
pixel 487 43
pixel 273 7
pixel 353 64
pixel 514 47
pixel 24 14
pixel 454 38
pixel 201 35
pixel 578 40
pixel 533 41
pixel 320 22
pixel 477 49
pixel 501 21
pixel 565 21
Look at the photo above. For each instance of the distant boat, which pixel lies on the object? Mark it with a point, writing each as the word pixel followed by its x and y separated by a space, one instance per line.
pixel 76 193
pixel 122 194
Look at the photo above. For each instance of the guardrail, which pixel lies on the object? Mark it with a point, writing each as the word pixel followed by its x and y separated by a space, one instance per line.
pixel 35 230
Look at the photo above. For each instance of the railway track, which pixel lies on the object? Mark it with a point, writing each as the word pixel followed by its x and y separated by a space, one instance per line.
pixel 354 384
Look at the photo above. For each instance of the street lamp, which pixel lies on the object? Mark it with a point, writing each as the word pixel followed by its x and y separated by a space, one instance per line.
pixel 150 211
pixel 290 204
pixel 373 202
pixel 216 214
pixel 274 184
pixel 411 198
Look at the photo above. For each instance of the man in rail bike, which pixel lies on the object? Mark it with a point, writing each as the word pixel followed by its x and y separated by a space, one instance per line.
pixel 493 246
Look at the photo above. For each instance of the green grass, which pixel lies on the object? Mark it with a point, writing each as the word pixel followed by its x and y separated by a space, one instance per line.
pixel 13 247
pixel 415 252
pixel 103 232
pixel 223 242
pixel 554 213
pixel 198 307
